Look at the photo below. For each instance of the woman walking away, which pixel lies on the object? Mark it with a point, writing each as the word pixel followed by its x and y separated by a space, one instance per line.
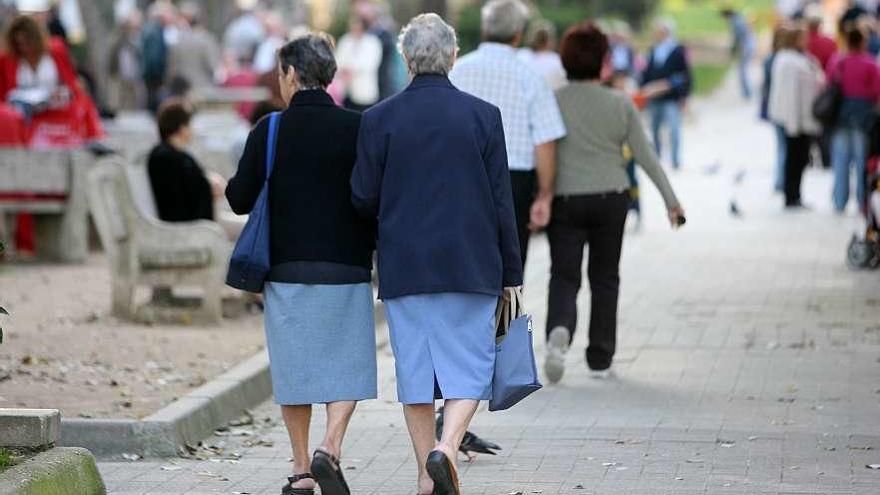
pixel 592 200
pixel 432 167
pixel 795 84
pixel 779 131
pixel 319 308
pixel 859 79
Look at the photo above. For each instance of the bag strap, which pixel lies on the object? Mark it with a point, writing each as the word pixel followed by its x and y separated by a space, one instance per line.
pixel 274 121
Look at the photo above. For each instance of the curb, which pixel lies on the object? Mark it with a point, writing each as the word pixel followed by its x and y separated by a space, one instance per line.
pixel 190 418
pixel 59 471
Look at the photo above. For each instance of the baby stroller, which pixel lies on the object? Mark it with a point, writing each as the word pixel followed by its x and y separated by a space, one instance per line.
pixel 864 248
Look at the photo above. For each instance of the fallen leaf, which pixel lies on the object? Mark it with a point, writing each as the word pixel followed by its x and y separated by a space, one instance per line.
pixel 170 468
pixel 131 457
pixel 872 466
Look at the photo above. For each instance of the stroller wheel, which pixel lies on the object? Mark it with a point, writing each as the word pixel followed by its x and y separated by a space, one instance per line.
pixel 861 254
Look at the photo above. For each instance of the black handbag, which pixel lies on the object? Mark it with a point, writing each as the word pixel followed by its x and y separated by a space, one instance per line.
pixel 826 106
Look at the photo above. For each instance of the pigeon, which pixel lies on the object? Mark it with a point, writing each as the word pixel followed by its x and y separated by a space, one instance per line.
pixel 734 209
pixel 471 445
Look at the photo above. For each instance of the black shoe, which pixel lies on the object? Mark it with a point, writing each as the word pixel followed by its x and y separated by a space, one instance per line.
pixel 328 474
pixel 443 474
pixel 288 489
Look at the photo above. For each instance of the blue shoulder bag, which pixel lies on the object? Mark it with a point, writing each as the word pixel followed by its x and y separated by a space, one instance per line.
pixel 249 265
pixel 516 375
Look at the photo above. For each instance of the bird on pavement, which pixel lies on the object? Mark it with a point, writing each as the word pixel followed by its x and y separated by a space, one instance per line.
pixel 471 445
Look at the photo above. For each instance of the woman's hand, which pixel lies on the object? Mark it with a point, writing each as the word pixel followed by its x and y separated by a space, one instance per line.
pixel 540 213
pixel 218 184
pixel 676 217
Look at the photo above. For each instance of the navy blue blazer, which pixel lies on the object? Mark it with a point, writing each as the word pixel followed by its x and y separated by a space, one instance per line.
pixel 432 167
pixel 676 68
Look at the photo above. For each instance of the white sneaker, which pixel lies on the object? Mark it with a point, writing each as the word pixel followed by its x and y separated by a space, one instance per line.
pixel 602 374
pixel 557 347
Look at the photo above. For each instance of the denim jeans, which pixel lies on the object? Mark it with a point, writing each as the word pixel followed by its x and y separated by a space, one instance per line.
pixel 848 150
pixel 779 177
pixel 667 112
pixel 745 58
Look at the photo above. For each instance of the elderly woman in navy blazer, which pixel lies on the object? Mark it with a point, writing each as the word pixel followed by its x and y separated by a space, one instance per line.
pixel 432 167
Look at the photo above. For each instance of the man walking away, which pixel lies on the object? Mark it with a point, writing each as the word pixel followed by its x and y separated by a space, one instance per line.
pixel 668 63
pixel 531 118
pixel 743 47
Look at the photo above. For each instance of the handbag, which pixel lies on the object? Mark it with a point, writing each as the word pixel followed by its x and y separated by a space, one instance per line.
pixel 516 375
pixel 249 265
pixel 826 106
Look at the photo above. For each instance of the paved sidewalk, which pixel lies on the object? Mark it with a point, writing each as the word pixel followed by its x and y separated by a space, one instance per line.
pixel 749 362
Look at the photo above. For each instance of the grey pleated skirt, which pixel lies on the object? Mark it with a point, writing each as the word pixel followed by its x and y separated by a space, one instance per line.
pixel 321 341
pixel 444 345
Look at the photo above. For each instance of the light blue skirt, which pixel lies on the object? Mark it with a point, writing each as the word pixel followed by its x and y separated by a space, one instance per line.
pixel 322 342
pixel 444 346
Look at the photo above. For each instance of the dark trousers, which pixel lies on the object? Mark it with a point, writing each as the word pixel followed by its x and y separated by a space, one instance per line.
pixel 524 184
pixel 596 220
pixel 797 157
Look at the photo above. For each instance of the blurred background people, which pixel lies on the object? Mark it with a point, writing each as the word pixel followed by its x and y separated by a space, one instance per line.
pixel 359 55
pixel 195 55
pixel 540 54
pixel 742 48
pixel 380 24
pixel 124 66
pixel 667 65
pixel 779 170
pixel 266 56
pixel 245 33
pixel 795 84
pixel 858 76
pixel 38 78
pixel 154 49
pixel 823 48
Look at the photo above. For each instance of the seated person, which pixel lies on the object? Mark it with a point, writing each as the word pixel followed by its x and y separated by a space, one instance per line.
pixel 37 77
pixel 183 191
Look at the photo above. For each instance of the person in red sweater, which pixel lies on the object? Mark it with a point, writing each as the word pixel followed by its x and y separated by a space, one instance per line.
pixel 824 49
pixel 38 78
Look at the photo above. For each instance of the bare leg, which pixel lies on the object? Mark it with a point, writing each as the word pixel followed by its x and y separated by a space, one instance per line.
pixel 457 416
pixel 297 420
pixel 420 421
pixel 338 417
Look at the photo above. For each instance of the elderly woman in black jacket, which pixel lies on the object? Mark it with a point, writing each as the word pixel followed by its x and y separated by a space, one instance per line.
pixel 319 301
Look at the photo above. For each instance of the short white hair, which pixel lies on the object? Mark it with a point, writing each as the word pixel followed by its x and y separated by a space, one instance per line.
pixel 503 20
pixel 428 45
pixel 667 24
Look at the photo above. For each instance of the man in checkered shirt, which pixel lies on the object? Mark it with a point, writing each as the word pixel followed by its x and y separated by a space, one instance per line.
pixel 531 118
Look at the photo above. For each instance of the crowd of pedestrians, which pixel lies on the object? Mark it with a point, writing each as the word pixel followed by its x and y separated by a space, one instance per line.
pixel 821 92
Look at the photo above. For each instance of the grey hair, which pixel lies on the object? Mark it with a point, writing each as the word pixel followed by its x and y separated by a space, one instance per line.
pixel 667 24
pixel 311 56
pixel 503 20
pixel 428 45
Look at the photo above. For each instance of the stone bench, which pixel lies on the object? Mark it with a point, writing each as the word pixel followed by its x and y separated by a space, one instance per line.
pixel 144 251
pixel 50 184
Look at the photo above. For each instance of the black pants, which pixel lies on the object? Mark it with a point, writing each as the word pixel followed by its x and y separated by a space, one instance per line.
pixel 797 157
pixel 597 220
pixel 524 184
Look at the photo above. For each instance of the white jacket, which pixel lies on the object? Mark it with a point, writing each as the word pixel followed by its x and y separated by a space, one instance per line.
pixel 795 83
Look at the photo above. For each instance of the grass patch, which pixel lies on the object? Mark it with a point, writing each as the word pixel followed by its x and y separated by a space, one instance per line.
pixel 7 459
pixel 701 18
pixel 708 77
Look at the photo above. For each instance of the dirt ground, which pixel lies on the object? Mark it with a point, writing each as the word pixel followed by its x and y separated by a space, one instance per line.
pixel 63 350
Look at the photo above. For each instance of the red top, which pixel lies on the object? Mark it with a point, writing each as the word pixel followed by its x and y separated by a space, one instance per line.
pixel 63 127
pixel 858 74
pixel 822 47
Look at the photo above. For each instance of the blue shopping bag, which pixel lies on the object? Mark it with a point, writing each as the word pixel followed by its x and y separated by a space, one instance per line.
pixel 516 375
pixel 249 265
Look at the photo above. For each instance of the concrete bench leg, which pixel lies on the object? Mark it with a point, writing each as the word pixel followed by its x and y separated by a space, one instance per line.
pixel 63 238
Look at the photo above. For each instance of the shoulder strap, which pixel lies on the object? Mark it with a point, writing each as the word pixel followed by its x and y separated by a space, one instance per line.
pixel 274 119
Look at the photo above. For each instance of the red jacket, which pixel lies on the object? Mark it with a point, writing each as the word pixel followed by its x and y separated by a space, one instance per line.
pixel 822 47
pixel 81 116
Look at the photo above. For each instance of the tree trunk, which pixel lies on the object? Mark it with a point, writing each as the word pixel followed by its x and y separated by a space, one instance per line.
pixel 97 15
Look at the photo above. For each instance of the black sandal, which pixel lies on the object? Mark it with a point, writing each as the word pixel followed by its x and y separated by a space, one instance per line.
pixel 288 489
pixel 441 470
pixel 328 473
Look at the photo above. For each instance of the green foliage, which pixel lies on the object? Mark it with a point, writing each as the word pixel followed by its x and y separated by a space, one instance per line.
pixel 708 77
pixel 702 18
pixel 7 459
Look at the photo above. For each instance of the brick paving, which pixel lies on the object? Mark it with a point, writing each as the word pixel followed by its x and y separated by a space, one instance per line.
pixel 749 362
